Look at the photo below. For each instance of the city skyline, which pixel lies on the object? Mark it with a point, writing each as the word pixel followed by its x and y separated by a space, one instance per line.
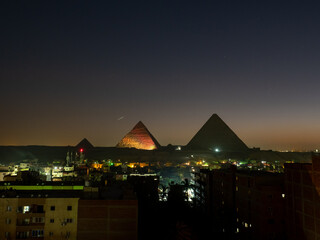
pixel 93 70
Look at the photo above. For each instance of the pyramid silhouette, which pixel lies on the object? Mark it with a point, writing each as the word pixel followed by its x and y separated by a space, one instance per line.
pixel 216 135
pixel 84 144
pixel 140 138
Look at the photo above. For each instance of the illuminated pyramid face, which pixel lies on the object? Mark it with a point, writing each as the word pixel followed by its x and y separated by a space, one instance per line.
pixel 140 138
pixel 215 135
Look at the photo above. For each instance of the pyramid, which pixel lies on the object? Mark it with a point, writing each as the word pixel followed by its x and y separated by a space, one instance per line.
pixel 215 135
pixel 84 144
pixel 140 138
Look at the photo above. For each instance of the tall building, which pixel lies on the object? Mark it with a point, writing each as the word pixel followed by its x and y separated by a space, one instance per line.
pixel 241 204
pixel 260 205
pixel 302 184
pixel 215 198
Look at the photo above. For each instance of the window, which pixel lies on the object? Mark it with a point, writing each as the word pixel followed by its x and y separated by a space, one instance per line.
pixel 40 209
pixel 7 234
pixel 8 220
pixel 37 233
pixel 26 209
pixel 26 221
pixel 9 208
pixel 52 208
pixel 69 208
pixel 38 219
pixel 271 221
pixel 68 220
pixel 51 220
pixel 22 235
pixel 19 209
pixel 50 233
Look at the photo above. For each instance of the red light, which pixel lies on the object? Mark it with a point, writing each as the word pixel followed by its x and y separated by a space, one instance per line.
pixel 81 149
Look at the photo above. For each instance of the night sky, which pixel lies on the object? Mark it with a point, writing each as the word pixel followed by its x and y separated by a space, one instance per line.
pixel 75 69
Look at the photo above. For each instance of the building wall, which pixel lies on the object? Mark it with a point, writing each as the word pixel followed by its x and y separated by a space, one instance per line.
pixel 260 206
pixel 61 218
pixel 8 210
pixel 30 217
pixel 108 219
pixel 302 183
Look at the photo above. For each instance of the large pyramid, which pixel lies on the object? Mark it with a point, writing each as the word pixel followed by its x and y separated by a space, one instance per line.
pixel 215 135
pixel 140 138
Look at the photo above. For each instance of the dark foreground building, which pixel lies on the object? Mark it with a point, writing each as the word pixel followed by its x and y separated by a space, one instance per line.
pixel 241 204
pixel 302 182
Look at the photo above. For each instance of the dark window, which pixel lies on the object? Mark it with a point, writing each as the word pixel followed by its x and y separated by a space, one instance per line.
pixel 69 208
pixel 40 209
pixel 52 208
pixel 271 221
pixel 52 220
pixel 68 220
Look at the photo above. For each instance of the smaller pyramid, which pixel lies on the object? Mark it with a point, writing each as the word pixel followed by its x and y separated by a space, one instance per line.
pixel 84 144
pixel 140 138
pixel 216 135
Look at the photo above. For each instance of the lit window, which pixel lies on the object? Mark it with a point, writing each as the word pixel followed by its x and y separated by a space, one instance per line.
pixel 283 195
pixel 26 209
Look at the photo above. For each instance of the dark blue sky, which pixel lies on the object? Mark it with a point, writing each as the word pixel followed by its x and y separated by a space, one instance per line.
pixel 71 69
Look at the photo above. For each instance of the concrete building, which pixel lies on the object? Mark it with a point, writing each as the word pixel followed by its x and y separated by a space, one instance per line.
pixel 302 184
pixel 108 219
pixel 56 211
pixel 215 198
pixel 260 205
pixel 33 217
